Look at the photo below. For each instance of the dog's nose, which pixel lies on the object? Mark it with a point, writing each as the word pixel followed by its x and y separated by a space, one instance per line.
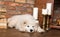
pixel 31 30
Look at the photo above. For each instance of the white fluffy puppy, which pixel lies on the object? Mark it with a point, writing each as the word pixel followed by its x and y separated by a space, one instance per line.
pixel 24 23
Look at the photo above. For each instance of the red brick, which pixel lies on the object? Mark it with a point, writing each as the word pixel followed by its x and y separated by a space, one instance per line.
pixel 11 8
pixel 1 2
pixel 6 3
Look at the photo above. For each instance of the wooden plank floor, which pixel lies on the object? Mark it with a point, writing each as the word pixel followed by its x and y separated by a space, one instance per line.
pixel 16 33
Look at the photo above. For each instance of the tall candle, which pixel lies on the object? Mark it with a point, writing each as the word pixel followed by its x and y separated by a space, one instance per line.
pixel 49 7
pixel 35 12
pixel 44 11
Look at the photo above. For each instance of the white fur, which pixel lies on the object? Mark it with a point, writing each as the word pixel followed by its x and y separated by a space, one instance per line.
pixel 24 23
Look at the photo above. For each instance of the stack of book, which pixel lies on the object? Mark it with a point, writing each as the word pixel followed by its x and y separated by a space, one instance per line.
pixel 3 21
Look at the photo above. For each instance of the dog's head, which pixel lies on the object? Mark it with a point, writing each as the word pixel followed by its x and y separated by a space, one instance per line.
pixel 29 28
pixel 33 27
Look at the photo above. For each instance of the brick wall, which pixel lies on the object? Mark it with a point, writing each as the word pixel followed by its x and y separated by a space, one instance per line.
pixel 14 8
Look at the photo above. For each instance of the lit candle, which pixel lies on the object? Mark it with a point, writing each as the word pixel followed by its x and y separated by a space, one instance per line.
pixel 35 12
pixel 44 11
pixel 49 6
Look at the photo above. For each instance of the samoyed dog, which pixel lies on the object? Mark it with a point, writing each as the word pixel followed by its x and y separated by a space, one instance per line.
pixel 25 23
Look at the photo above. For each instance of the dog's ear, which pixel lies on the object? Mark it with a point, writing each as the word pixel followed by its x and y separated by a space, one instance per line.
pixel 22 28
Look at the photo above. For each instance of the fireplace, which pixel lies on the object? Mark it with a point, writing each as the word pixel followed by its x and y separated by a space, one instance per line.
pixel 56 16
pixel 57 9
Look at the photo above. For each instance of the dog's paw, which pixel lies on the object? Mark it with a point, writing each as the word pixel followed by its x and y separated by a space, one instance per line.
pixel 41 30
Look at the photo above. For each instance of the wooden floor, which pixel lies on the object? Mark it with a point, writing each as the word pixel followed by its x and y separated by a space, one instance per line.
pixel 16 33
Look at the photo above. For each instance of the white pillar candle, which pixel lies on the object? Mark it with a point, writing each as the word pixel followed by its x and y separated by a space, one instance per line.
pixel 35 12
pixel 49 7
pixel 44 11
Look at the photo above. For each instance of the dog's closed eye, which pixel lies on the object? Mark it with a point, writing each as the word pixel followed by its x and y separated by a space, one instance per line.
pixel 32 26
pixel 27 26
